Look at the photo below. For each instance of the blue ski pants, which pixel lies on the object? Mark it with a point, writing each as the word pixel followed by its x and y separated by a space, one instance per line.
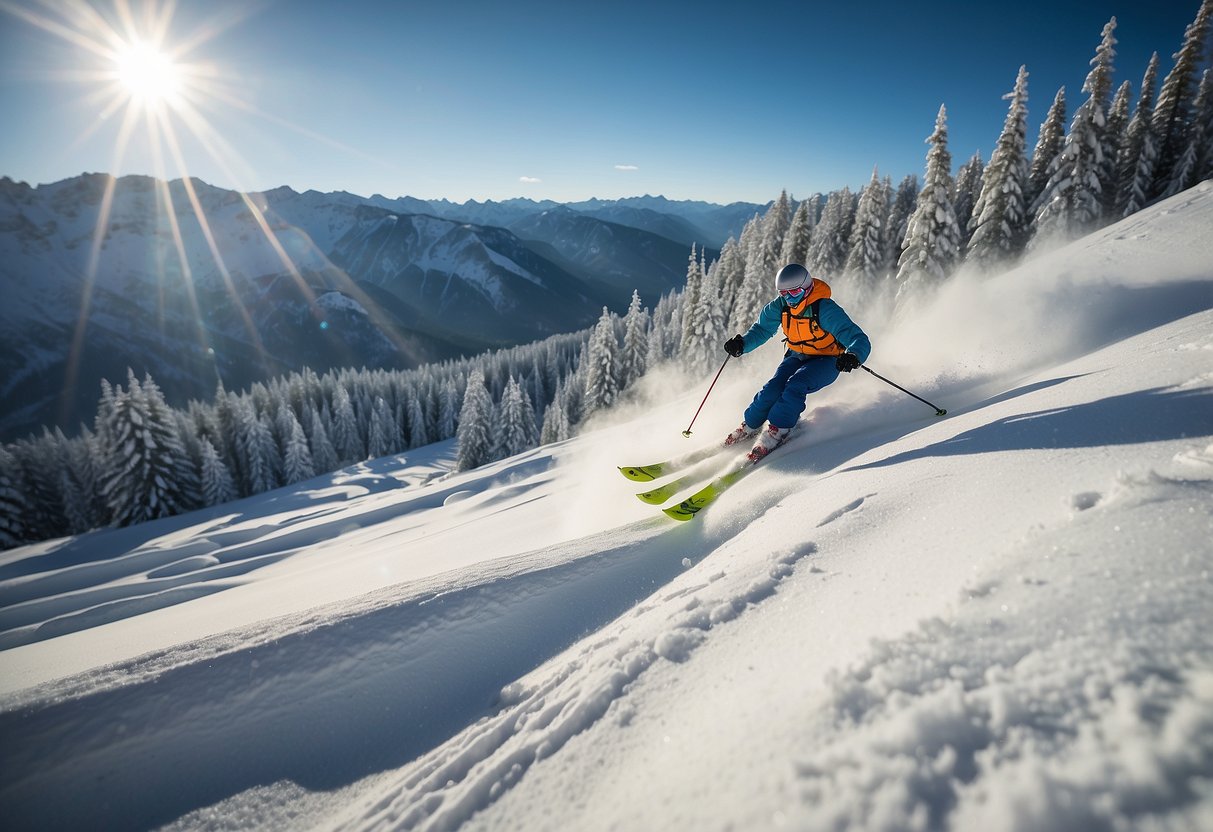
pixel 781 400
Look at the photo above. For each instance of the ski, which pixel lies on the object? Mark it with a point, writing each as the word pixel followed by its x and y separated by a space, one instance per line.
pixel 648 473
pixel 659 495
pixel 707 495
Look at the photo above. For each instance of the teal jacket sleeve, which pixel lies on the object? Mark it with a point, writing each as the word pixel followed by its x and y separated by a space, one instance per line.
pixel 768 324
pixel 845 331
pixel 829 314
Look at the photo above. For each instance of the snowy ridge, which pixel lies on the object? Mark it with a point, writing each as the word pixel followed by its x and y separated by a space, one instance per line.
pixel 997 619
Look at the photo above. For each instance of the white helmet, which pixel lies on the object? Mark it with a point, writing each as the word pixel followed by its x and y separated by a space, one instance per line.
pixel 792 276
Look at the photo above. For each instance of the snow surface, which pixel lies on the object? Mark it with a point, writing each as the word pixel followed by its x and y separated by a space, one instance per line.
pixel 996 620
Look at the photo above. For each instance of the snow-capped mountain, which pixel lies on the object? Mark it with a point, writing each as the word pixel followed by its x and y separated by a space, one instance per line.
pixel 612 253
pixel 993 620
pixel 195 283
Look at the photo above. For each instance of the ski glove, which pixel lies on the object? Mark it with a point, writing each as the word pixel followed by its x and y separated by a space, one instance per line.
pixel 735 346
pixel 847 362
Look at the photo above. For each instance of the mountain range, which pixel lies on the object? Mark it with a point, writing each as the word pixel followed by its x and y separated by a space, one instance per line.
pixel 197 284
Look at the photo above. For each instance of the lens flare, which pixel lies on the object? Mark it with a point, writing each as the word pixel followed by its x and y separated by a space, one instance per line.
pixel 148 74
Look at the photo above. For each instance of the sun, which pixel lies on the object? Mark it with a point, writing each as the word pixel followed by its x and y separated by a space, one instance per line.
pixel 148 74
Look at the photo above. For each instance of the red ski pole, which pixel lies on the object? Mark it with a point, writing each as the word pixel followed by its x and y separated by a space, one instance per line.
pixel 687 432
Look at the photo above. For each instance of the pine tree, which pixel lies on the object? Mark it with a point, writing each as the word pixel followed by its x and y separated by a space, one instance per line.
pixel 1114 139
pixel 727 276
pixel 13 507
pixel 146 473
pixel 513 432
pixel 555 423
pixel 968 190
pixel 346 439
pixel 866 262
pixel 634 359
pixel 475 445
pixel 262 459
pixel 932 237
pixel 324 456
pixel 1072 202
pixel 1204 123
pixel 796 242
pixel 830 245
pixel 601 374
pixel 296 458
pixel 1049 144
pixel 1173 112
pixel 382 432
pixel 1196 150
pixel 904 201
pixel 418 432
pixel 1000 217
pixel 448 410
pixel 217 484
pixel 1139 153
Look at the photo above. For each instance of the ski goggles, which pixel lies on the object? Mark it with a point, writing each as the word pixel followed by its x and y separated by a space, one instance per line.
pixel 793 294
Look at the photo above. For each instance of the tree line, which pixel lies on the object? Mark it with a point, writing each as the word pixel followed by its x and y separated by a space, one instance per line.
pixel 142 459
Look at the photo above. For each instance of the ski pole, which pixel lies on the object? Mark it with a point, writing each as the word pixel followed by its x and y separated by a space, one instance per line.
pixel 939 411
pixel 687 432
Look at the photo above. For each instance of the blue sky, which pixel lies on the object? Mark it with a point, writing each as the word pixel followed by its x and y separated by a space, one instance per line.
pixel 566 100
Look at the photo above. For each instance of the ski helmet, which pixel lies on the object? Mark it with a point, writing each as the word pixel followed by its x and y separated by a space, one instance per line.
pixel 792 276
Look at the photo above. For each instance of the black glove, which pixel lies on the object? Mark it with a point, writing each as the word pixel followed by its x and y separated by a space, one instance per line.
pixel 735 346
pixel 847 362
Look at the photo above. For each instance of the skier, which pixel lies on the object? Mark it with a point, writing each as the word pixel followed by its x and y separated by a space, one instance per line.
pixel 822 342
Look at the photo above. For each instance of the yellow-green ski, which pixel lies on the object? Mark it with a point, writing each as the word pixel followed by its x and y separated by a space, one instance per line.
pixel 659 495
pixel 705 496
pixel 648 473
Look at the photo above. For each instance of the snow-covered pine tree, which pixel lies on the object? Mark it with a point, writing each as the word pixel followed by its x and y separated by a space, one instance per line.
pixel 1000 217
pixel 418 432
pixel 555 422
pixel 634 359
pixel 755 289
pixel 476 417
pixel 296 457
pixel 1072 203
pixel 796 242
pixel 324 456
pixel 727 275
pixel 702 321
pixel 1049 143
pixel 866 262
pixel 448 409
pixel 382 434
pixel 346 439
pixel 1196 149
pixel 513 434
pixel 1173 112
pixel 146 473
pixel 932 243
pixel 13 508
pixel 905 199
pixel 775 225
pixel 217 484
pixel 39 459
pixel 601 373
pixel 1139 153
pixel 262 461
pixel 831 241
pixel 1204 120
pixel 1114 139
pixel 968 190
pixel 75 496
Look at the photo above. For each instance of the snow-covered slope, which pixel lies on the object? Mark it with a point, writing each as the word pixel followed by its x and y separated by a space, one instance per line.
pixel 995 620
